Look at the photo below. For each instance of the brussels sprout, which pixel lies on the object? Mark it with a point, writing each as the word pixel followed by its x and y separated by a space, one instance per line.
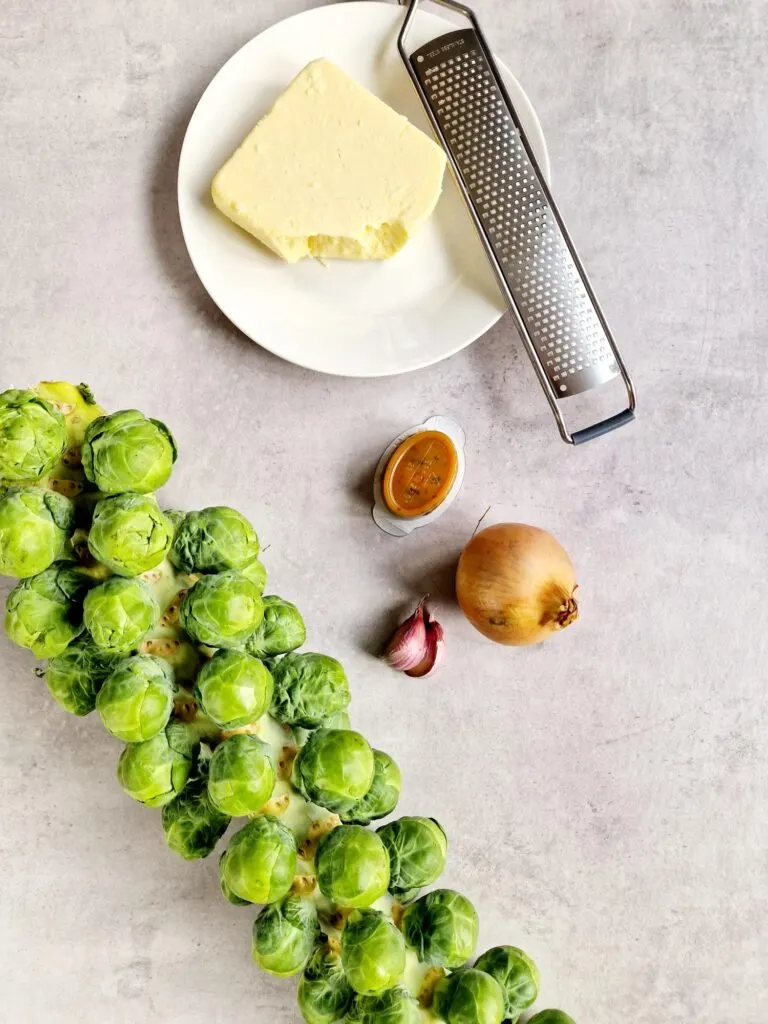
pixel 260 861
pixel 241 775
pixel 128 452
pixel 284 936
pixel 45 613
pixel 551 1017
pixel 417 849
pixel 334 768
pixel 339 720
pixel 129 534
pixel 234 689
pixel 516 973
pixel 395 1006
pixel 352 866
pixel 442 927
pixel 75 676
pixel 175 517
pixel 469 997
pixel 34 528
pixel 257 574
pixel 119 613
pixel 136 701
pixel 227 893
pixel 33 435
pixel 324 993
pixel 222 610
pixel 381 799
pixel 155 771
pixel 309 688
pixel 214 540
pixel 281 631
pixel 300 735
pixel 372 952
pixel 192 825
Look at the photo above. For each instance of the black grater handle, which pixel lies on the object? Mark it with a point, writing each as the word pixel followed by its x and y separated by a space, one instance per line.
pixel 603 427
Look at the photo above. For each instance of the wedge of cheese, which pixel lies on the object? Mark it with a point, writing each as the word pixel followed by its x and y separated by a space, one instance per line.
pixel 331 172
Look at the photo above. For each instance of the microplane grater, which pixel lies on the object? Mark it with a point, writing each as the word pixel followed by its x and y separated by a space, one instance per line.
pixel 556 311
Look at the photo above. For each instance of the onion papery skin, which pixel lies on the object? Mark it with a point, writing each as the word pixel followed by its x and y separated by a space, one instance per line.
pixel 516 584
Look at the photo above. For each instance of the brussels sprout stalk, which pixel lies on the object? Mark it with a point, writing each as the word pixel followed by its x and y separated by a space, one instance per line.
pixel 163 628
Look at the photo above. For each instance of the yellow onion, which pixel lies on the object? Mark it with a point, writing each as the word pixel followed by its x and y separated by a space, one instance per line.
pixel 516 584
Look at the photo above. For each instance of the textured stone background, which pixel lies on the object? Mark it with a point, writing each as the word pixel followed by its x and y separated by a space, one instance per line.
pixel 605 795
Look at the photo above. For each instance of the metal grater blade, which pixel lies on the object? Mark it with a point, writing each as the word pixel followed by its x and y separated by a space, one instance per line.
pixel 560 321
pixel 549 294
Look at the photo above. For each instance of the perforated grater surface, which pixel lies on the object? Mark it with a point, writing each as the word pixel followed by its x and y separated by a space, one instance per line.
pixel 559 319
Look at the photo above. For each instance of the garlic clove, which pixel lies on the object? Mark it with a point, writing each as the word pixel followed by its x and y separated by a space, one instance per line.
pixel 435 652
pixel 418 644
pixel 409 645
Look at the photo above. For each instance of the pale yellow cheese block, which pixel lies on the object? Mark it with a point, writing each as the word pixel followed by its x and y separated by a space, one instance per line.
pixel 331 172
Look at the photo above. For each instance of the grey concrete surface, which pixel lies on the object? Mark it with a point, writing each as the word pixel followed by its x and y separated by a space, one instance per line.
pixel 606 794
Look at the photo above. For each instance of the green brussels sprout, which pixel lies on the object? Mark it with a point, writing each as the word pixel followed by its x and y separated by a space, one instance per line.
pixel 136 701
pixel 372 952
pixel 257 574
pixel 156 771
pixel 128 452
pixel 33 436
pixel 284 936
pixel 214 540
pixel 222 610
pixel 227 893
pixel 119 613
pixel 234 689
pixel 324 994
pixel 309 689
pixel 175 517
pixel 75 676
pixel 129 534
pixel 339 720
pixel 381 799
pixel 551 1017
pixel 395 1006
pixel 442 927
pixel 241 775
pixel 469 997
pixel 282 630
pixel 260 861
pixel 417 849
pixel 334 768
pixel 34 528
pixel 45 613
pixel 517 974
pixel 192 825
pixel 352 866
pixel 406 896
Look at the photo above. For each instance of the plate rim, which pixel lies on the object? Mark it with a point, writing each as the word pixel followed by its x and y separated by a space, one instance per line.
pixel 543 159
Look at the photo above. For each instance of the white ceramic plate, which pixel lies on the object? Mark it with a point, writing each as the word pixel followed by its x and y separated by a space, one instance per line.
pixel 354 319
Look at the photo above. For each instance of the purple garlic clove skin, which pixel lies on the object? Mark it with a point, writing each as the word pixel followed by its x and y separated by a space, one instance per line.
pixel 435 654
pixel 418 645
pixel 408 646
